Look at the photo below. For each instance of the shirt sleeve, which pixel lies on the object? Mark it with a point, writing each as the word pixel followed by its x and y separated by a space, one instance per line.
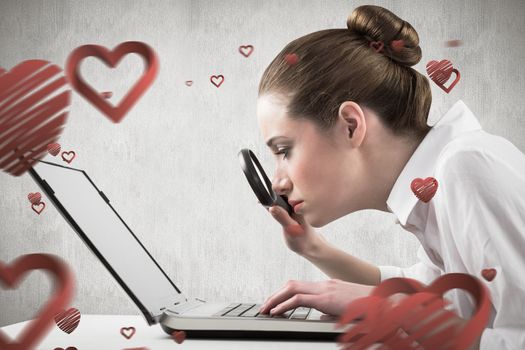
pixel 483 209
pixel 424 271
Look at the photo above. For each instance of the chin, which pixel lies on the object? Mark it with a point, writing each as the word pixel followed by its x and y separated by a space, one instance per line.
pixel 316 222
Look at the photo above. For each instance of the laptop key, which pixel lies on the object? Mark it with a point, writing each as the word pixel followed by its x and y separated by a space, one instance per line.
pixel 284 314
pixel 301 313
pixel 252 312
pixel 239 310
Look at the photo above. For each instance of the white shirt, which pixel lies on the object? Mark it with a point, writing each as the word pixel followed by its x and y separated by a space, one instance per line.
pixel 475 220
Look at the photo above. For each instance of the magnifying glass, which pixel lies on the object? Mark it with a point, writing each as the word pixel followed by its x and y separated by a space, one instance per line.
pixel 260 183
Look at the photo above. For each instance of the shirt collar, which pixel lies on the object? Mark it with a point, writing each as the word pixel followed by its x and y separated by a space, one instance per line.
pixel 457 120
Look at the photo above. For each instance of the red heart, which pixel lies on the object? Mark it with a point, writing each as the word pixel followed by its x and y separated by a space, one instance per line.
pixel 178 336
pixel 381 323
pixel 68 320
pixel 68 156
pixel 111 58
pixel 53 148
pixel 215 78
pixel 246 50
pixel 62 294
pixel 34 198
pixel 440 72
pixel 424 189
pixel 377 45
pixel 189 82
pixel 291 58
pixel 38 207
pixel 488 274
pixel 33 102
pixel 397 45
pixel 127 332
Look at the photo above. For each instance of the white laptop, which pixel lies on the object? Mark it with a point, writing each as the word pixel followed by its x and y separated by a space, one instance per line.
pixel 90 213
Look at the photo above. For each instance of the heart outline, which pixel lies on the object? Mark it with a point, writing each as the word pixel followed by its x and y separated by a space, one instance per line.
pixel 68 161
pixel 11 275
pixel 213 77
pixel 243 47
pixel 124 330
pixel 38 204
pixel 111 59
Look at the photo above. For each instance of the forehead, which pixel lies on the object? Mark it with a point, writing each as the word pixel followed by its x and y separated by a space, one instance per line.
pixel 272 116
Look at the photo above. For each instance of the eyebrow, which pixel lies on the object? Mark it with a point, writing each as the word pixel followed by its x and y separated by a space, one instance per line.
pixel 272 140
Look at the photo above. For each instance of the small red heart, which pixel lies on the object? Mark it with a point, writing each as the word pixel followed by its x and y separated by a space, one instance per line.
pixel 127 332
pixel 34 198
pixel 53 148
pixel 215 78
pixel 38 207
pixel 440 72
pixel 178 336
pixel 291 58
pixel 68 156
pixel 111 59
pixel 189 82
pixel 63 285
pixel 377 45
pixel 246 50
pixel 488 274
pixel 397 45
pixel 68 320
pixel 424 189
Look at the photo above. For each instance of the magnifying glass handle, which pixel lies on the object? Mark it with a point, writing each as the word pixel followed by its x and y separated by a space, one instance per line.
pixel 283 203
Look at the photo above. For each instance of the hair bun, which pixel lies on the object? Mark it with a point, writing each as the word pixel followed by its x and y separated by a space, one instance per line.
pixel 375 23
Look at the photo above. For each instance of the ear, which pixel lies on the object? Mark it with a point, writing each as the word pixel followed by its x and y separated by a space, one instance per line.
pixel 352 119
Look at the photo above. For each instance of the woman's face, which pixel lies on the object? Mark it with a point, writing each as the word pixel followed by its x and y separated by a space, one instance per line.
pixel 312 166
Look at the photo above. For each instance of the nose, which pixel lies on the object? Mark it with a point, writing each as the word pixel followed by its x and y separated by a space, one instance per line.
pixel 281 185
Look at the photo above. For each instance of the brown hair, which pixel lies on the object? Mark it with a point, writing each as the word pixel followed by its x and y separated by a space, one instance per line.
pixel 337 65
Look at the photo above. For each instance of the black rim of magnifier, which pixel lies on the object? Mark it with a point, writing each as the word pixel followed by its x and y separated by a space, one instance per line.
pixel 264 194
pixel 267 197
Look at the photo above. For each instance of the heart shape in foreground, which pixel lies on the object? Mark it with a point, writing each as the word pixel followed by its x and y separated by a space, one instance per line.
pixel 11 276
pixel 424 189
pixel 111 59
pixel 440 72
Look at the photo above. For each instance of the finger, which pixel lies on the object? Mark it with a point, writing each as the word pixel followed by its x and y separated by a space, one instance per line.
pixel 281 216
pixel 289 290
pixel 306 300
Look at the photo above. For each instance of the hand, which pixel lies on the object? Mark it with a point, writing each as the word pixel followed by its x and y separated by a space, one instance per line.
pixel 330 297
pixel 299 236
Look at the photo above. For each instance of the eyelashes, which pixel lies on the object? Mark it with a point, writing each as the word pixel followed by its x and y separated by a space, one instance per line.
pixel 284 152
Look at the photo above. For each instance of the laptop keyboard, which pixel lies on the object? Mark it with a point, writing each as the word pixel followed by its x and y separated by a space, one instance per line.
pixel 252 310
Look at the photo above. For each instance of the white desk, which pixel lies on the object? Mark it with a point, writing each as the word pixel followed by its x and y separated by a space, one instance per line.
pixel 102 332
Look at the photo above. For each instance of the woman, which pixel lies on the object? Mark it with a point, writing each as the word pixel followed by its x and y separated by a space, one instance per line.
pixel 346 117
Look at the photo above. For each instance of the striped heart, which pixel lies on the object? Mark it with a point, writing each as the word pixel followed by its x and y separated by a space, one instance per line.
pixel 68 320
pixel 53 148
pixel 424 189
pixel 34 198
pixel 33 102
pixel 246 50
pixel 440 72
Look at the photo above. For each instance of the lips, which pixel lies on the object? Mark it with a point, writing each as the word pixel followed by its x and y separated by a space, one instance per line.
pixel 295 204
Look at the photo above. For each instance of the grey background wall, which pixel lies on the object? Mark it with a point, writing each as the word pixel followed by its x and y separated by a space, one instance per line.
pixel 170 167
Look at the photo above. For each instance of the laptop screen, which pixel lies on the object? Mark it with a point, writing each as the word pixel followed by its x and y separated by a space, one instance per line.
pixel 108 236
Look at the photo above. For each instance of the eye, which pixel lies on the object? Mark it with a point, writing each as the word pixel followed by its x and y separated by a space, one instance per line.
pixel 283 151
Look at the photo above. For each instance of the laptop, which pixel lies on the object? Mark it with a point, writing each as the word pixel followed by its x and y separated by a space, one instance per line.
pixel 90 213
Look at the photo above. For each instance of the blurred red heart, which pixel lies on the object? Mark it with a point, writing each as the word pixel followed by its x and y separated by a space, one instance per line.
pixel 68 156
pixel 111 59
pixel 38 207
pixel 381 321
pixel 53 148
pixel 189 82
pixel 488 274
pixel 68 320
pixel 33 102
pixel 11 276
pixel 127 332
pixel 34 198
pixel 217 80
pixel 440 72
pixel 291 58
pixel 397 45
pixel 178 336
pixel 246 50
pixel 424 189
